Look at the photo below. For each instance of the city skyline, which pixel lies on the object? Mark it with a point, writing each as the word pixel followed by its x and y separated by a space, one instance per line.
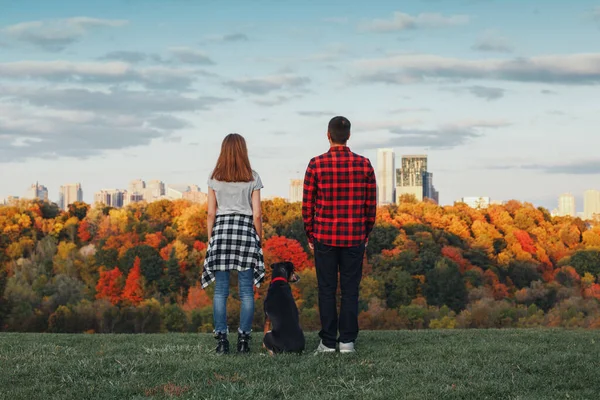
pixel 586 205
pixel 90 93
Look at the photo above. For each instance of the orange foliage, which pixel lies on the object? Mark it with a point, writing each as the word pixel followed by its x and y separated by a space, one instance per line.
pixel 134 292
pixel 122 242
pixel 154 239
pixel 196 299
pixel 592 291
pixel 525 241
pixel 83 232
pixel 390 253
pixel 200 246
pixel 455 255
pixel 165 252
pixel 279 248
pixel 109 285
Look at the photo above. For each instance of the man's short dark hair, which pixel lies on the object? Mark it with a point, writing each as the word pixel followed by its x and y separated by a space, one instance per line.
pixel 339 130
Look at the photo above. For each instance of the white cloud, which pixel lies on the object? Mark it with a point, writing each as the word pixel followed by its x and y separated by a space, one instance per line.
pixel 402 21
pixel 188 55
pixel 269 83
pixel 318 114
pixel 56 35
pixel 411 68
pixel 483 92
pixel 50 123
pixel 114 72
pixel 385 125
pixel 493 42
pixel 227 38
pixel 445 136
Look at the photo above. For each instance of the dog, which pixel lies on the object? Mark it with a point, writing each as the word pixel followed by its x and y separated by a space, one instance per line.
pixel 283 333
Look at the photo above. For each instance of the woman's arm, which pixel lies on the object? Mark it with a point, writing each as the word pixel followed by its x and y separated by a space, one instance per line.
pixel 257 213
pixel 212 212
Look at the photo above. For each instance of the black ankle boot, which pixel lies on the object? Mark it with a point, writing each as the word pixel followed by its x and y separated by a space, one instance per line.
pixel 222 343
pixel 243 345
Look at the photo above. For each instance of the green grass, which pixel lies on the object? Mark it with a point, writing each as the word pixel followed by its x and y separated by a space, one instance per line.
pixel 474 364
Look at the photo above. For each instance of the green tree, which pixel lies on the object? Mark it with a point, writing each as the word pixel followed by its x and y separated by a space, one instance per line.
pixel 584 261
pixel 78 209
pixel 294 230
pixel 445 286
pixel 108 258
pixel 382 237
pixel 522 273
pixel 174 279
pixel 400 288
pixel 152 263
pixel 174 318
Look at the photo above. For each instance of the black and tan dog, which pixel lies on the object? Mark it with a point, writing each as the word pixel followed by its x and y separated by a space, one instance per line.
pixel 282 324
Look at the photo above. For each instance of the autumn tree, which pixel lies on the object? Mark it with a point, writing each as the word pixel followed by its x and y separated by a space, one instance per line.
pixel 84 232
pixel 134 291
pixel 110 285
pixel 152 263
pixel 197 298
pixel 279 248
pixel 78 210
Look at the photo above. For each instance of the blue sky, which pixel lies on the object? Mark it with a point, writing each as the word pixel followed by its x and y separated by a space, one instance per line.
pixel 502 95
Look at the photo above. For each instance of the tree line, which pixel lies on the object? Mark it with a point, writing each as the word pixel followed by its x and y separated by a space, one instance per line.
pixel 137 269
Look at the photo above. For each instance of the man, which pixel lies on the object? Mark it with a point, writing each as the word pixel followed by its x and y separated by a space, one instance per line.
pixel 338 207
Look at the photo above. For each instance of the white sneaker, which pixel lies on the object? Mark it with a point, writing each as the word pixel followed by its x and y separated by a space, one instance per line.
pixel 324 349
pixel 347 347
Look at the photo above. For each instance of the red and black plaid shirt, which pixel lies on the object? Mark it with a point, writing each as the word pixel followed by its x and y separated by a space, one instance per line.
pixel 340 198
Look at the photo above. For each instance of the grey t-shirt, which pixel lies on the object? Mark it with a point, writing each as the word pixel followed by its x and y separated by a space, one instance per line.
pixel 235 197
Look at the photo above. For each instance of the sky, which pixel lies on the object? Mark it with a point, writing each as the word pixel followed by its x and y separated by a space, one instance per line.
pixel 502 96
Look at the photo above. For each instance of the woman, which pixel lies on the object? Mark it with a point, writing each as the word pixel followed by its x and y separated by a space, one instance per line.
pixel 234 231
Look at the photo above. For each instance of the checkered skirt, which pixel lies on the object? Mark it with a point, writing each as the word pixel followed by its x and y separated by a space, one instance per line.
pixel 234 245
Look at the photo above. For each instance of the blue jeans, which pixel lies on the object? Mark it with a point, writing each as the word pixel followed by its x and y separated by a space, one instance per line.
pixel 246 292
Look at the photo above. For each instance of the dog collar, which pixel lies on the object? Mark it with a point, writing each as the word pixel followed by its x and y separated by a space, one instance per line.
pixel 279 278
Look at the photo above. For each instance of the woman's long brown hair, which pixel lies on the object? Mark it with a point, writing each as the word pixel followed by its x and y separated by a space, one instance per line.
pixel 233 164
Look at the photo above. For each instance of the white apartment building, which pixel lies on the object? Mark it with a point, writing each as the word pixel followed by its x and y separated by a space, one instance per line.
pixel 386 176
pixel 566 205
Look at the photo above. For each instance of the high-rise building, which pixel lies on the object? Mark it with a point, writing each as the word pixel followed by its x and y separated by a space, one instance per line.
pixel 130 198
pixel 136 186
pixel 195 195
pixel 69 194
pixel 37 191
pixel 10 200
pixel 566 205
pixel 386 167
pixel 175 192
pixel 476 202
pixel 429 191
pixel 154 190
pixel 296 190
pixel 409 178
pixel 110 197
pixel 591 204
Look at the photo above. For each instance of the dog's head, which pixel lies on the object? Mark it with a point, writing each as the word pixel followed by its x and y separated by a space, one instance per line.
pixel 284 270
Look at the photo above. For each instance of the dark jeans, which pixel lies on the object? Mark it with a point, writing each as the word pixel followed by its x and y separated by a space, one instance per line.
pixel 347 261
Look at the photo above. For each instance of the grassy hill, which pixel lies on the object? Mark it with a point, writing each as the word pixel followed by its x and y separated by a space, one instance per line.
pixel 474 364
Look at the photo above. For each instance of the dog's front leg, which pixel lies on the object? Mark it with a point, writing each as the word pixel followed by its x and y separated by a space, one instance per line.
pixel 267 325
